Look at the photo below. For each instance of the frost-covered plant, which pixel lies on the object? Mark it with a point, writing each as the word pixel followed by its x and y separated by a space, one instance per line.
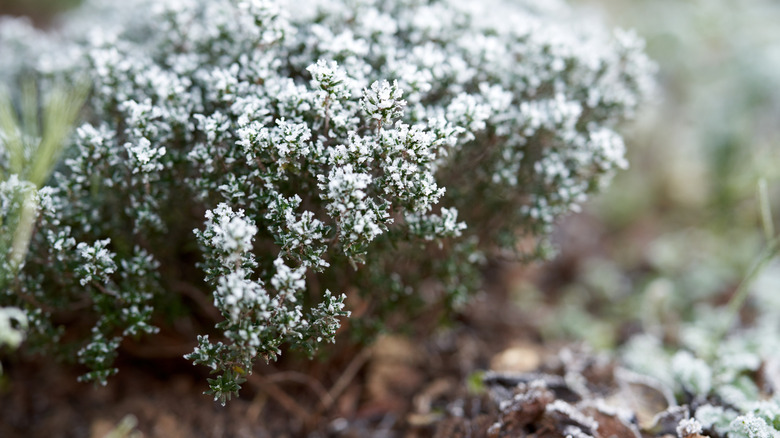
pixel 383 147
pixel 32 140
pixel 724 391
pixel 731 384
pixel 30 153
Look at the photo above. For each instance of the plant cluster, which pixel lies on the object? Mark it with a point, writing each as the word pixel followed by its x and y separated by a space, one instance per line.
pixel 728 378
pixel 266 154
pixel 730 389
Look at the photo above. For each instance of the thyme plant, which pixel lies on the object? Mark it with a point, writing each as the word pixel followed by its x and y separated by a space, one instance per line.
pixel 276 155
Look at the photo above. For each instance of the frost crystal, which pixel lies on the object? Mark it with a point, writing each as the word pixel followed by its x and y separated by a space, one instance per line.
pixel 750 426
pixel 693 373
pixel 97 262
pixel 382 102
pixel 144 156
pixel 688 427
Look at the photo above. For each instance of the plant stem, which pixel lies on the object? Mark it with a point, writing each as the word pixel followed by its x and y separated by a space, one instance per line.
pixel 770 252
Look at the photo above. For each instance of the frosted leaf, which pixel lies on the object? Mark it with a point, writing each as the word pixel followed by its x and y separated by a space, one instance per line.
pixel 692 373
pixel 144 156
pixel 382 102
pixel 750 426
pixel 688 427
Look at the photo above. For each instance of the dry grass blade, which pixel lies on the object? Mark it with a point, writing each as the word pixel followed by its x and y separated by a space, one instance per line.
pixel 345 379
pixel 273 390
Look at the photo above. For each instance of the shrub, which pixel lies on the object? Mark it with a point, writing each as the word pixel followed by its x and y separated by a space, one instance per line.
pixel 380 148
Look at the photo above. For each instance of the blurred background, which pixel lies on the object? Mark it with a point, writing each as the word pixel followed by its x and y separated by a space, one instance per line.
pixel 672 238
pixel 41 11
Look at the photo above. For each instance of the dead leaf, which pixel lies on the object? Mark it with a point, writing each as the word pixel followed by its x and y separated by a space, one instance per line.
pixel 517 358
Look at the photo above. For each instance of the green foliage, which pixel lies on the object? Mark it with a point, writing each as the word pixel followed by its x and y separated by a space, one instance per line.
pixel 33 134
pixel 32 131
pixel 225 386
